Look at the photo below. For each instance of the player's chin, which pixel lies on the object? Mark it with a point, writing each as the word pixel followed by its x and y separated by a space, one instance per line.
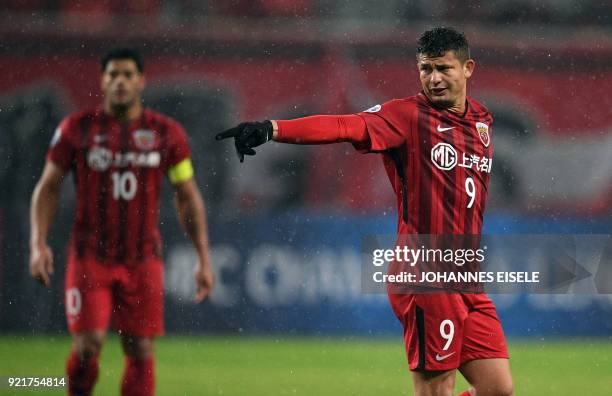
pixel 441 101
pixel 121 102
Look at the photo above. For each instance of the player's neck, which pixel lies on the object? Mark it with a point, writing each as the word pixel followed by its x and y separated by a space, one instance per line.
pixel 124 114
pixel 459 107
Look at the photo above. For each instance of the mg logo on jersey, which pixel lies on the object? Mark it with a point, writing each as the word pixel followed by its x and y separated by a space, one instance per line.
pixel 99 158
pixel 483 133
pixel 444 156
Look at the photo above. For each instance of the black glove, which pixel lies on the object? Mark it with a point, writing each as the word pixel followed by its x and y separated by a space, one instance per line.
pixel 248 135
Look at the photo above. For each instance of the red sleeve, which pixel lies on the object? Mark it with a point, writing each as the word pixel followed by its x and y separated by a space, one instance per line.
pixel 323 129
pixel 388 125
pixel 178 144
pixel 62 148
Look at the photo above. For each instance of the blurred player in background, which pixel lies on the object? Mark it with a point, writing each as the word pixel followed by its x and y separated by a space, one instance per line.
pixel 422 140
pixel 119 154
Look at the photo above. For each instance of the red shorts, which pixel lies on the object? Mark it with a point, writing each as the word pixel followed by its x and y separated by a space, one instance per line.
pixel 129 295
pixel 442 331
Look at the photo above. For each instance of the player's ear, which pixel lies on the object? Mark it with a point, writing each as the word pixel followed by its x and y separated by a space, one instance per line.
pixel 468 68
pixel 142 83
pixel 102 85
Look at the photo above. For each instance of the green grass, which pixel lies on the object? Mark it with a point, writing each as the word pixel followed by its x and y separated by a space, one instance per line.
pixel 309 366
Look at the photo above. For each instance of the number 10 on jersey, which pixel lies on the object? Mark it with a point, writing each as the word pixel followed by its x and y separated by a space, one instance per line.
pixel 124 185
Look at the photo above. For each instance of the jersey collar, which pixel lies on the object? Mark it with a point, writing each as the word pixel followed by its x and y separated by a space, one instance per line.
pixel 441 109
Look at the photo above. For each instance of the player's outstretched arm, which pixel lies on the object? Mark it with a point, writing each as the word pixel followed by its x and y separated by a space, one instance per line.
pixel 192 215
pixel 45 200
pixel 320 129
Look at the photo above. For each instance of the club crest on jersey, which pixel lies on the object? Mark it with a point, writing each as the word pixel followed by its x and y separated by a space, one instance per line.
pixel 483 133
pixel 144 139
pixel 444 156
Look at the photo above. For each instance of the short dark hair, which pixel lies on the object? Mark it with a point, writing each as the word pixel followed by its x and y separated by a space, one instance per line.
pixel 439 40
pixel 122 53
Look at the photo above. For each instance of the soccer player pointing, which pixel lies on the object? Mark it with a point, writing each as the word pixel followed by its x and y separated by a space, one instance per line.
pixel 437 152
pixel 118 154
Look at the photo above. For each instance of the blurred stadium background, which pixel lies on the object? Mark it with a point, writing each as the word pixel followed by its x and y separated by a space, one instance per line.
pixel 543 69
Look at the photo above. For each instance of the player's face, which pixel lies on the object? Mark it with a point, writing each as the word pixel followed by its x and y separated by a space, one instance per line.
pixel 444 78
pixel 122 83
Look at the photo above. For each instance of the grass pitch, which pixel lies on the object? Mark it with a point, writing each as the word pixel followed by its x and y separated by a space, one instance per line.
pixel 237 365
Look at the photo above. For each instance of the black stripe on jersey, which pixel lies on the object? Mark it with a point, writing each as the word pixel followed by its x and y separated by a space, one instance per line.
pixel 469 212
pixel 124 141
pixel 420 324
pixel 143 179
pixel 470 148
pixel 449 192
pixel 395 155
pixel 425 177
pixel 460 177
pixel 101 200
pixel 164 147
pixel 85 124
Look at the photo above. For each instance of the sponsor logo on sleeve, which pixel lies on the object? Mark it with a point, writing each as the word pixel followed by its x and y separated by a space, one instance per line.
pixel 373 109
pixel 56 136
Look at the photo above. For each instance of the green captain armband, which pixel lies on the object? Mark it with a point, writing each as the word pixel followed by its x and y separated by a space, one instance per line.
pixel 181 172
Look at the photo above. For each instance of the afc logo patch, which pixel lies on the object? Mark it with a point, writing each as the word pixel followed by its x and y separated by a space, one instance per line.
pixel 56 136
pixel 483 133
pixel 373 109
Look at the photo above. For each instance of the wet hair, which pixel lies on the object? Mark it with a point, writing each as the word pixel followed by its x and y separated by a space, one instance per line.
pixel 122 54
pixel 437 41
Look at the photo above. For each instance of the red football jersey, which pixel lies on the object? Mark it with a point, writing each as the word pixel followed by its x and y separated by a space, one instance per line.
pixel 118 170
pixel 438 163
